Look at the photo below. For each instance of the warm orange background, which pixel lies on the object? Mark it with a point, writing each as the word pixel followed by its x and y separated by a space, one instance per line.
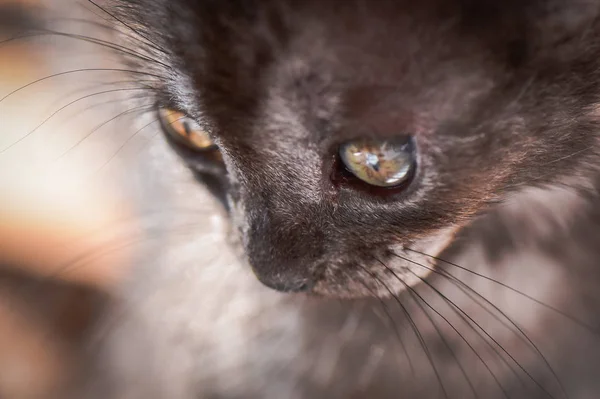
pixel 48 218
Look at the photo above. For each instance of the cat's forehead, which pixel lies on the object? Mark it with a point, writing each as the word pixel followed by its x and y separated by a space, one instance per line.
pixel 355 22
pixel 402 43
pixel 249 66
pixel 357 59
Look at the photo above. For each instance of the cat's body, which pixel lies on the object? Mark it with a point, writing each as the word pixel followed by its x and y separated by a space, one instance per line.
pixel 502 100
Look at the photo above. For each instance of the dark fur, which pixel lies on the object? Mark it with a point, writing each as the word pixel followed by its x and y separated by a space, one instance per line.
pixel 497 96
pixel 500 97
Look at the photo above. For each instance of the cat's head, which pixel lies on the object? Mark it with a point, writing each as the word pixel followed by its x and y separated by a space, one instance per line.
pixel 352 140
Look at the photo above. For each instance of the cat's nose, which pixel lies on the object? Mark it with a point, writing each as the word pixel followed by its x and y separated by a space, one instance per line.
pixel 280 271
pixel 285 248
pixel 280 268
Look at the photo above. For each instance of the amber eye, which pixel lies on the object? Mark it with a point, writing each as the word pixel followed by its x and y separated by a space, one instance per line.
pixel 185 130
pixel 385 163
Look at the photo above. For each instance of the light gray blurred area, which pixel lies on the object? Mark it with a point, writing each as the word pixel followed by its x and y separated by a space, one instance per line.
pixel 83 177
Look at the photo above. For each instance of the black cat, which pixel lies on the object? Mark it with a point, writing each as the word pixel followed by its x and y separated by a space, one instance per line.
pixel 419 177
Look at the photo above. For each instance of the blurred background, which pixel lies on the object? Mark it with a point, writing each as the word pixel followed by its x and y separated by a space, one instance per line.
pixel 88 194
pixel 65 210
pixel 99 222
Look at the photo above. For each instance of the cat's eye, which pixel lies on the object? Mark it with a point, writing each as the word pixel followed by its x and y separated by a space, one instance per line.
pixel 185 130
pixel 380 163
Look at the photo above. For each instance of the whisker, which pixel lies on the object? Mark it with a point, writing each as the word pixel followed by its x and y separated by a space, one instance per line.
pixel 477 299
pixel 74 71
pixel 124 84
pixel 459 284
pixel 103 103
pixel 394 324
pixel 121 101
pixel 83 21
pixel 494 340
pixel 508 287
pixel 108 26
pixel 484 336
pixel 416 295
pixel 105 26
pixel 131 110
pixel 131 137
pixel 88 39
pixel 149 42
pixel 484 339
pixel 414 328
pixel 63 108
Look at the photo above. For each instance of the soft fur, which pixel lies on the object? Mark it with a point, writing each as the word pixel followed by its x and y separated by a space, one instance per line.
pixel 502 99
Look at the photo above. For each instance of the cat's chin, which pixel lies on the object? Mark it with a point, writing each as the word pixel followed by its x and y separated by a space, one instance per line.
pixel 396 269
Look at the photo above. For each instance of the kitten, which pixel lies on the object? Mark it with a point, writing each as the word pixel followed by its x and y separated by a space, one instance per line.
pixel 457 91
pixel 418 180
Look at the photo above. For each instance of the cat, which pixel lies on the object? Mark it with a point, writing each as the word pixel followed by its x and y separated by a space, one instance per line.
pixel 263 85
pixel 412 190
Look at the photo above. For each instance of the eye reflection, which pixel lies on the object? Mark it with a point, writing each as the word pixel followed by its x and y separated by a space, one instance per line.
pixel 185 130
pixel 385 163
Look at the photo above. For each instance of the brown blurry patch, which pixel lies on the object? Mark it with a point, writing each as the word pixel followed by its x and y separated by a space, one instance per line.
pixel 16 18
pixel 44 325
pixel 60 234
pixel 28 366
pixel 57 262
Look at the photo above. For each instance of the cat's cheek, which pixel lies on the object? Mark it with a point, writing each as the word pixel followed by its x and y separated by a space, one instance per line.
pixel 389 271
pixel 410 265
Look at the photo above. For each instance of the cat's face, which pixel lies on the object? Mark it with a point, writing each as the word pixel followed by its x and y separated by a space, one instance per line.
pixel 456 103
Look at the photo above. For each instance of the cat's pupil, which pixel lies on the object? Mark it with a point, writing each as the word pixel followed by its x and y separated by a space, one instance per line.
pixel 187 127
pixel 373 162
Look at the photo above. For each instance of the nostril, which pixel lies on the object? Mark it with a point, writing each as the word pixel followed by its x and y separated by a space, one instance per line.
pixel 303 285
